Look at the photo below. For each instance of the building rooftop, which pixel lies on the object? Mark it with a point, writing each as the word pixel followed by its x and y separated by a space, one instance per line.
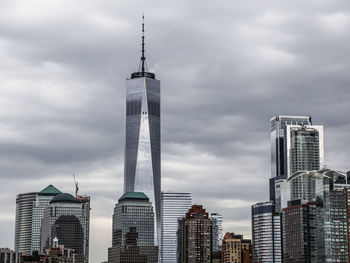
pixel 134 195
pixel 64 198
pixel 50 190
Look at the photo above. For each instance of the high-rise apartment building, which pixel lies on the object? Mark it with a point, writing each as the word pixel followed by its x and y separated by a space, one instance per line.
pixel 133 214
pixel 29 213
pixel 217 230
pixel 266 233
pixel 67 219
pixel 195 236
pixel 174 207
pixel 235 249
pixel 299 232
pixel 142 137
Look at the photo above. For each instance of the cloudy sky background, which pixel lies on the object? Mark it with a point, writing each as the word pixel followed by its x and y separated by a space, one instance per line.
pixel 226 67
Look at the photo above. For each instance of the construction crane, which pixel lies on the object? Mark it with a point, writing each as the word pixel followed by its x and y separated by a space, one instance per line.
pixel 76 187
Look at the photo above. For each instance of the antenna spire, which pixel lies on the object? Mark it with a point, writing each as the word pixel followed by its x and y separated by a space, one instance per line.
pixel 142 71
pixel 143 46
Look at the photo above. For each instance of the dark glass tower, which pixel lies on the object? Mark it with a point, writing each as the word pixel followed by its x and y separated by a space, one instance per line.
pixel 142 137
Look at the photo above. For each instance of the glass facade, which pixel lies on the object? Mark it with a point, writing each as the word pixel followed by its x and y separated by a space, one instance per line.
pixel 133 212
pixel 142 141
pixel 29 213
pixel 282 194
pixel 217 230
pixel 333 222
pixel 67 219
pixel 278 147
pixel 266 233
pixel 279 158
pixel 174 206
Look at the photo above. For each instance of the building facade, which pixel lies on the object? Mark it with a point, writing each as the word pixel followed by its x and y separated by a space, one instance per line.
pixel 142 138
pixel 67 218
pixel 266 233
pixel 9 256
pixel 217 231
pixel 332 197
pixel 133 218
pixel 174 207
pixel 304 148
pixel 299 232
pixel 282 194
pixel 29 213
pixel 235 249
pixel 195 236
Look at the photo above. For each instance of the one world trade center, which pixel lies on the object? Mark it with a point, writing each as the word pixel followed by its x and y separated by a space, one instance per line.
pixel 142 137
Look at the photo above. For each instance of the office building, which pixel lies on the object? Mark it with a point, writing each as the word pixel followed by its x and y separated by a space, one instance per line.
pixel 133 218
pixel 195 236
pixel 304 148
pixel 299 232
pixel 174 207
pixel 304 152
pixel 9 256
pixel 332 195
pixel 29 213
pixel 67 219
pixel 266 233
pixel 142 137
pixel 278 144
pixel 235 249
pixel 130 252
pixel 217 231
pixel 279 159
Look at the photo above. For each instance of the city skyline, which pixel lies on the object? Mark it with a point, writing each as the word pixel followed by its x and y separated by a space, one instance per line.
pixel 63 79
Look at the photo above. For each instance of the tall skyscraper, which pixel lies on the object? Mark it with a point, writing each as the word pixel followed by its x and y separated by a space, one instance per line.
pixel 195 236
pixel 217 230
pixel 266 233
pixel 174 207
pixel 279 159
pixel 332 217
pixel 278 144
pixel 133 214
pixel 142 137
pixel 29 213
pixel 304 148
pixel 67 218
pixel 296 145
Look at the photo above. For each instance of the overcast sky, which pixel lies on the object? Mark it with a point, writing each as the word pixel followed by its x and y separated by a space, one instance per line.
pixel 226 67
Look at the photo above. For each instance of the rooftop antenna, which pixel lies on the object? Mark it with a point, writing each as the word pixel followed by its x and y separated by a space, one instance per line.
pixel 143 46
pixel 76 187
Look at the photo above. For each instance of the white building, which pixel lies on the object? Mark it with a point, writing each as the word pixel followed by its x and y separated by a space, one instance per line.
pixel 174 206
